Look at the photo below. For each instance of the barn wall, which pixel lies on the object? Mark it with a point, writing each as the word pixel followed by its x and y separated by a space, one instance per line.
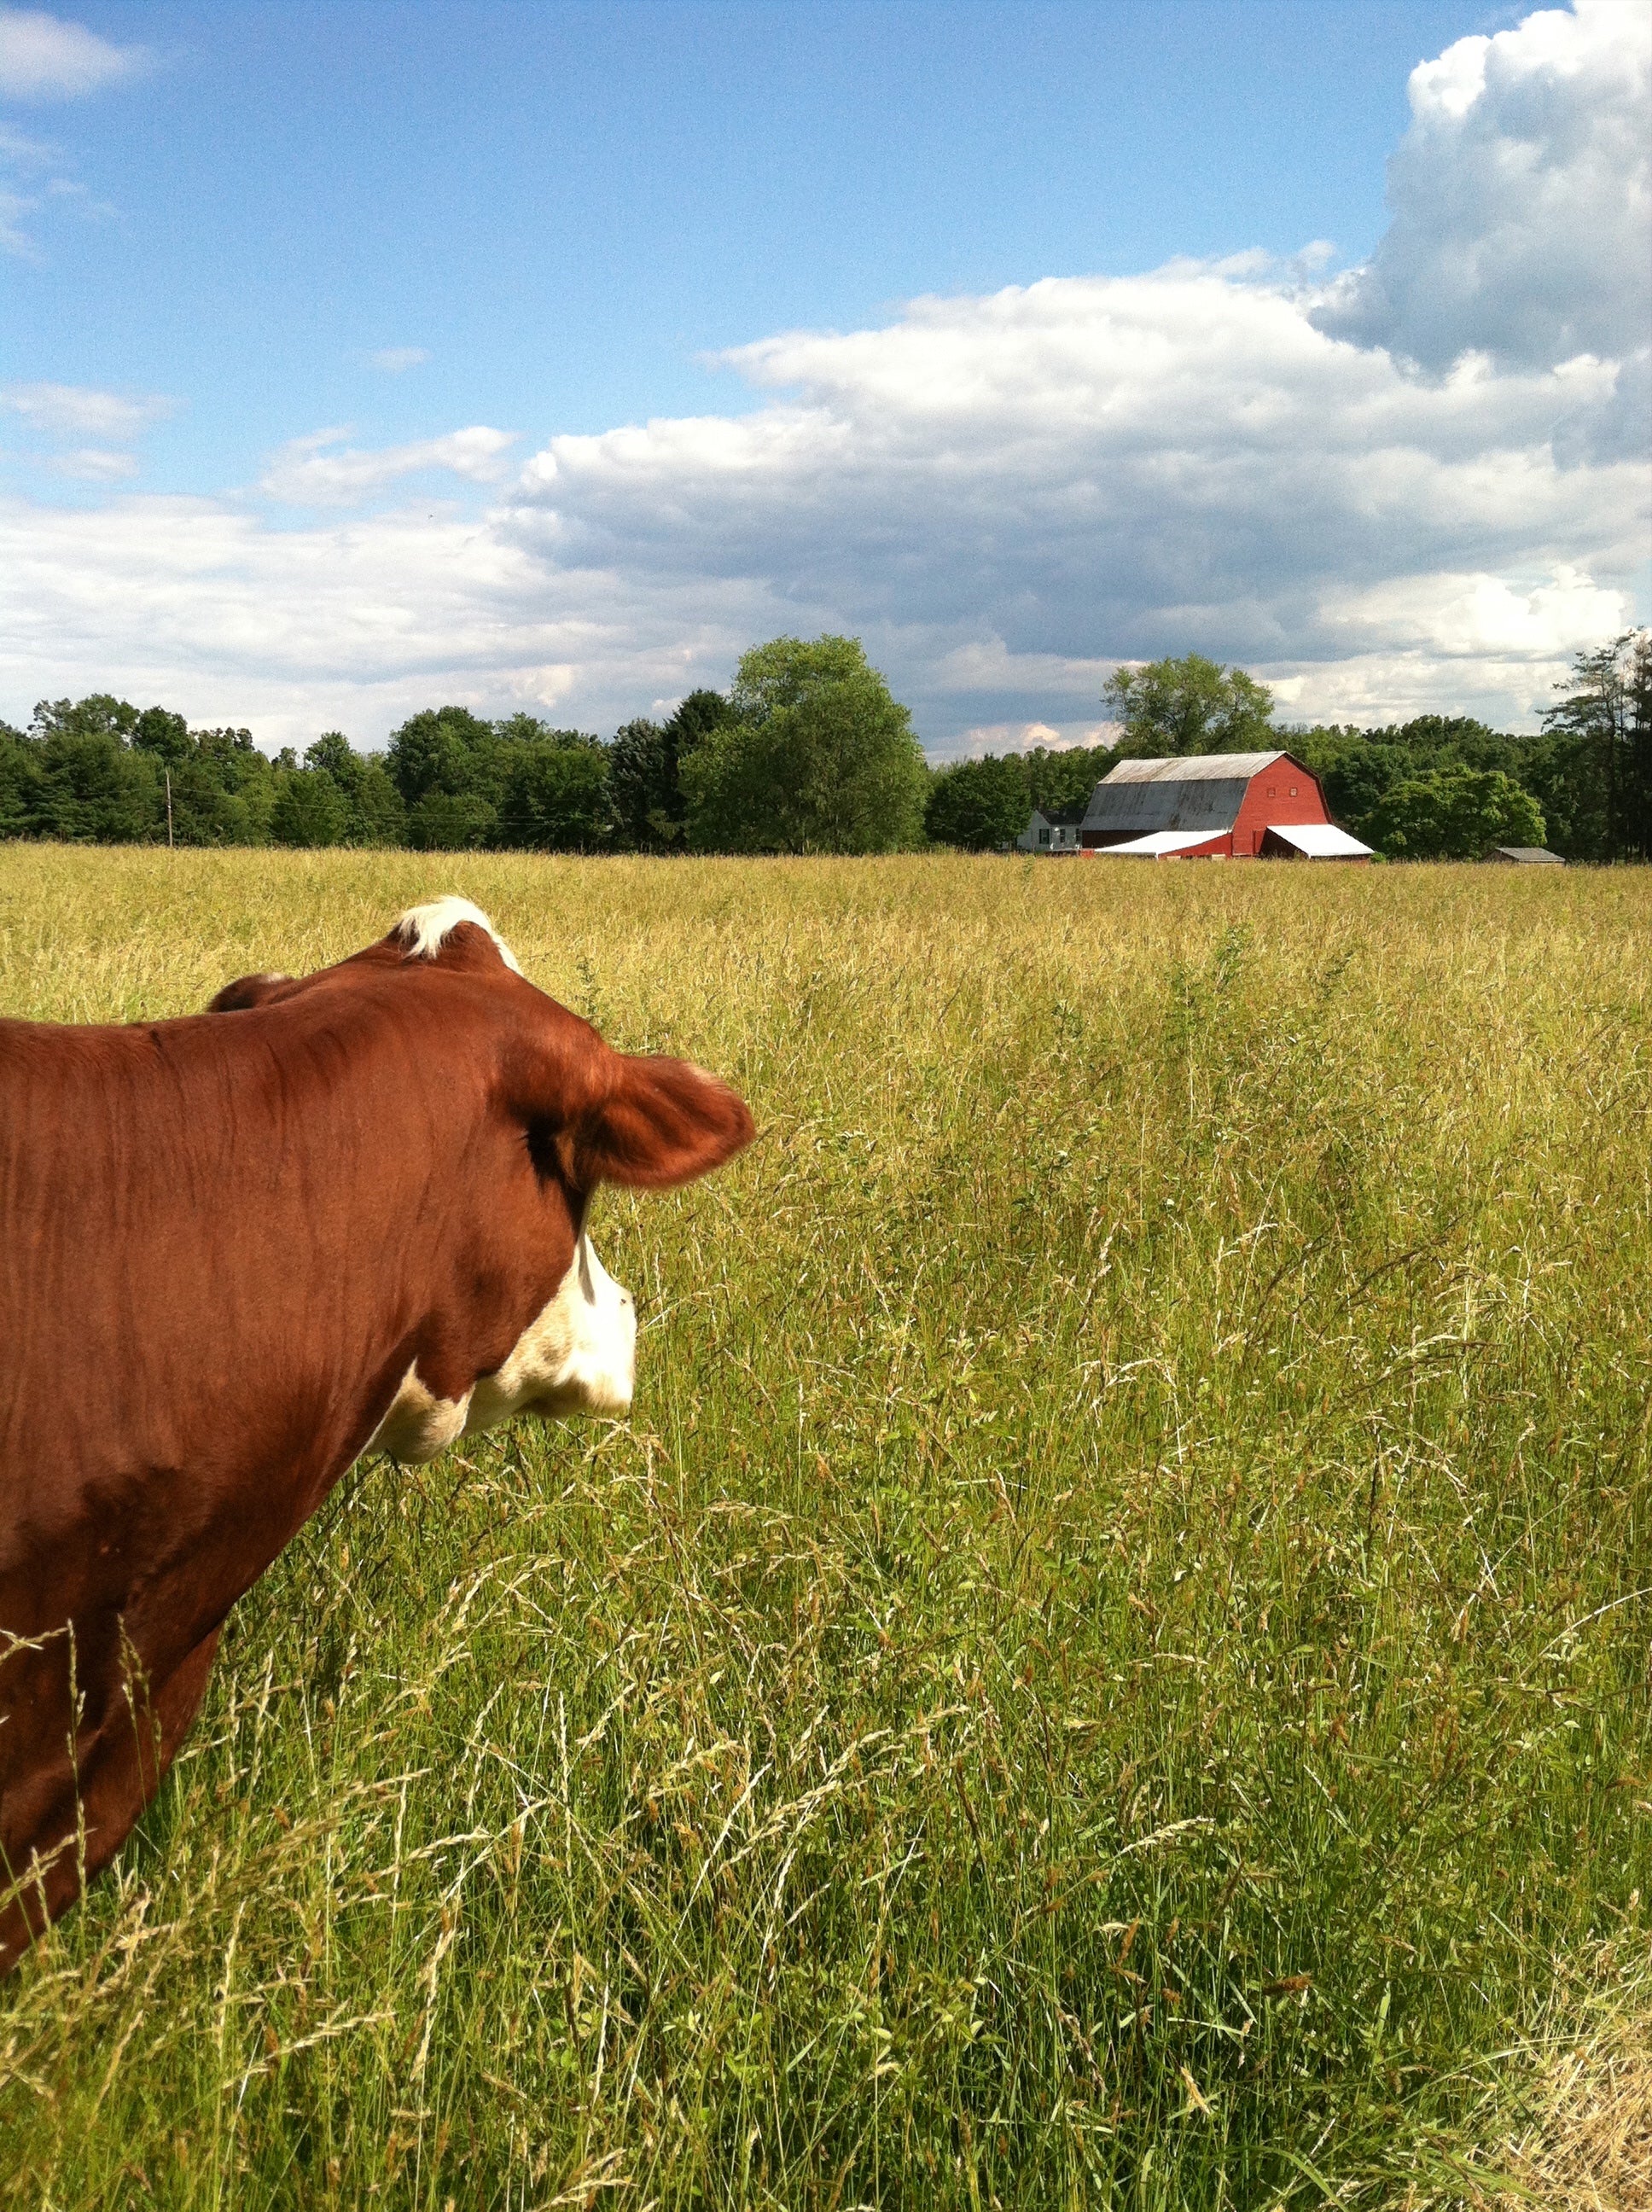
pixel 1257 808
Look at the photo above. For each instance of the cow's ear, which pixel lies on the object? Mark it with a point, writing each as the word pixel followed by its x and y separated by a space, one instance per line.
pixel 663 1122
pixel 250 991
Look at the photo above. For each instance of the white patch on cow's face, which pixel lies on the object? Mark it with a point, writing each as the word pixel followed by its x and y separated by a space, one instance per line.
pixel 424 929
pixel 419 1425
pixel 578 1357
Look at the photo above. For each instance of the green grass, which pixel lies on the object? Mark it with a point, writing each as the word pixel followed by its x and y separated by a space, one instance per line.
pixel 1109 1666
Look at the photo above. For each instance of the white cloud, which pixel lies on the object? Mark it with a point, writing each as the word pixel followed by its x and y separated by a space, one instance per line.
pixel 395 360
pixel 1522 198
pixel 43 57
pixel 96 465
pixel 80 410
pixel 13 206
pixel 1096 467
pixel 1470 617
pixel 309 472
pixel 1004 495
pixel 353 624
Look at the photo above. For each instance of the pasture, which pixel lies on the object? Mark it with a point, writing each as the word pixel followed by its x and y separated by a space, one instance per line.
pixel 1109 1666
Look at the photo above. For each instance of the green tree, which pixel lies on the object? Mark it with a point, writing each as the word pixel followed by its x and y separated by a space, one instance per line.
pixel 374 812
pixel 1355 771
pixel 94 787
pixel 1596 763
pixel 979 804
pixel 309 809
pixel 223 789
pixel 1454 813
pixel 19 784
pixel 165 734
pixel 650 811
pixel 820 757
pixel 446 750
pixel 556 796
pixel 1060 781
pixel 1190 705
pixel 450 822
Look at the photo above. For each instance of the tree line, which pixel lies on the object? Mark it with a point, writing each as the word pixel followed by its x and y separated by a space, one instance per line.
pixel 809 752
pixel 1438 787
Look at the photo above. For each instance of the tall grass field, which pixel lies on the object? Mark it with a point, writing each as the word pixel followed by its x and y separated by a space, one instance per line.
pixel 1109 1666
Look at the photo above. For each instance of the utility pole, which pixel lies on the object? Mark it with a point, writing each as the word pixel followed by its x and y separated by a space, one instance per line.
pixel 169 809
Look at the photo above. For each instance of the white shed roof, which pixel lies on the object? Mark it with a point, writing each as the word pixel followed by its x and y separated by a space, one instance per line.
pixel 1319 840
pixel 1160 844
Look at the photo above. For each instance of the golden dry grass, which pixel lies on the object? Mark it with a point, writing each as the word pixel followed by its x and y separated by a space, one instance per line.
pixel 1111 1664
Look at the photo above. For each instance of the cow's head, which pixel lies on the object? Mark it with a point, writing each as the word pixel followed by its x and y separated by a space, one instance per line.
pixel 566 1113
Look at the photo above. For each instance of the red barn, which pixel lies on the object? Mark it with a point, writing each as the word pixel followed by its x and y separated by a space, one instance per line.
pixel 1215 806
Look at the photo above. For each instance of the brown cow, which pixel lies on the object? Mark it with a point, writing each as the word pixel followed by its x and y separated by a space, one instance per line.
pixel 236 1250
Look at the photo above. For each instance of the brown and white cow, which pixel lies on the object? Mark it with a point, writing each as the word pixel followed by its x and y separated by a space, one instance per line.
pixel 238 1249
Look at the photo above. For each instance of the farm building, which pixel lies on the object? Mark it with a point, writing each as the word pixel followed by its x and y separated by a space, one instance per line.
pixel 1214 806
pixel 1051 833
pixel 1527 856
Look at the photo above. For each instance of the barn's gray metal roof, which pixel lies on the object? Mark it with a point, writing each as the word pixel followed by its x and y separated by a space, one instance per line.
pixel 1191 767
pixel 1528 855
pixel 1203 791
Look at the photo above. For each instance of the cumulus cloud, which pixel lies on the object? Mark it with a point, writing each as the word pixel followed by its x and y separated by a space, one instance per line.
pixel 396 360
pixel 1092 467
pixel 1521 198
pixel 320 471
pixel 44 56
pixel 1003 496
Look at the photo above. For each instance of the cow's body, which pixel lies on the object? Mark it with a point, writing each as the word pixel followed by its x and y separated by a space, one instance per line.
pixel 236 1248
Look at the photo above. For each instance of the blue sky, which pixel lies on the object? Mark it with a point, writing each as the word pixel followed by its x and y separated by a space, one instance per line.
pixel 337 275
pixel 566 208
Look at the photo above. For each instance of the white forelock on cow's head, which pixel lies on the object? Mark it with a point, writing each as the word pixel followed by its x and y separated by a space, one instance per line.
pixel 423 929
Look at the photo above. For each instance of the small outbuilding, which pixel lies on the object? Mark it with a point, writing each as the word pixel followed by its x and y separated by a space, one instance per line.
pixel 1525 856
pixel 1215 806
pixel 1051 833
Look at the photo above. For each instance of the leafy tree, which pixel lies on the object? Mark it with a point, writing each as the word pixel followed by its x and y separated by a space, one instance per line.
pixel 820 759
pixel 309 809
pixel 93 788
pixel 467 783
pixel 223 790
pixel 1355 771
pixel 19 784
pixel 164 734
pixel 642 786
pixel 556 797
pixel 1456 813
pixel 450 822
pixel 1060 781
pixel 979 804
pixel 1189 706
pixel 373 812
pixel 447 750
pixel 650 811
pixel 99 715
pixel 983 804
pixel 1597 762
